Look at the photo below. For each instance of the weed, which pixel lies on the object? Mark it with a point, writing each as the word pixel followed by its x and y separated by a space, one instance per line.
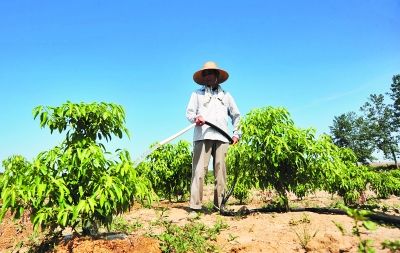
pixel 119 224
pixel 303 220
pixel 209 206
pixel 217 228
pixel 305 237
pixel 340 227
pixel 337 204
pixel 232 237
pixel 192 237
pixel 162 213
pixel 19 245
pixel 393 246
pixel 360 222
pixel 193 216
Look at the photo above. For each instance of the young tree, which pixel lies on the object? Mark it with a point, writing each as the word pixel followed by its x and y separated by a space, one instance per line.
pixel 273 152
pixel 169 170
pixel 13 187
pixel 75 182
pixel 349 131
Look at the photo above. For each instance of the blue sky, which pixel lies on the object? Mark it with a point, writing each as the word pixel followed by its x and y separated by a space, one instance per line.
pixel 318 59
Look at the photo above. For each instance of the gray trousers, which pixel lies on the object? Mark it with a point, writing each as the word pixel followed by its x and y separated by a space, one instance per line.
pixel 202 152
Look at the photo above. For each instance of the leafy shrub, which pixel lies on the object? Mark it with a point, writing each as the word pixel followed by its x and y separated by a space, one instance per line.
pixel 275 153
pixel 75 183
pixel 240 181
pixel 385 183
pixel 273 150
pixel 346 178
pixel 241 192
pixel 14 185
pixel 169 169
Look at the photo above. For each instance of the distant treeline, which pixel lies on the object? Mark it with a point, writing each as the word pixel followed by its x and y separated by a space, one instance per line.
pixel 375 128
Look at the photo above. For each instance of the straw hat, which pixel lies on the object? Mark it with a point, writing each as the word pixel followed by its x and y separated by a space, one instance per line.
pixel 223 75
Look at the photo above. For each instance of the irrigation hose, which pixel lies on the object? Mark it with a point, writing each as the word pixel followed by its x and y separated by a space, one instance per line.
pixel 169 139
pixel 219 130
pixel 375 216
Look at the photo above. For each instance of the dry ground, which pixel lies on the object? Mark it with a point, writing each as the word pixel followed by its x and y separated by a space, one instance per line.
pixel 258 232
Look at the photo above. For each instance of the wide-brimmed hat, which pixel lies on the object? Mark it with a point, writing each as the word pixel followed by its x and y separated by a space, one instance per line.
pixel 198 78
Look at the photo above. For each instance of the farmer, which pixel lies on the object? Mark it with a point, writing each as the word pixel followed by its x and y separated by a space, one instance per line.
pixel 212 104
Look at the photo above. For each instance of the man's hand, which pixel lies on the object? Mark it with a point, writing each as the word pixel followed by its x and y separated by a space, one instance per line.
pixel 235 140
pixel 200 121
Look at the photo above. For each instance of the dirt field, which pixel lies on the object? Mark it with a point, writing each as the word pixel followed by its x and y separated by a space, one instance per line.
pixel 258 232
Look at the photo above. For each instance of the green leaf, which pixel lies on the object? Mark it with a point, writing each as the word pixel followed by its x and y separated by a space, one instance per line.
pixel 370 225
pixel 102 200
pixel 81 193
pixel 43 118
pixel 13 197
pixel 75 213
pixel 64 219
pixel 60 215
pixel 92 204
pixel 40 189
pixel 118 191
pixel 36 111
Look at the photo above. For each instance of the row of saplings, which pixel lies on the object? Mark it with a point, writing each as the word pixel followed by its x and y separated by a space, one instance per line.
pixel 79 184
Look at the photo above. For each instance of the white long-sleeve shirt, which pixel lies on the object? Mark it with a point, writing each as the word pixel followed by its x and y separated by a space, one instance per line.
pixel 215 107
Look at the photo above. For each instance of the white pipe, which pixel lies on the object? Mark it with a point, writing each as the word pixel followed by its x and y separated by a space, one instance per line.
pixel 177 134
pixel 165 142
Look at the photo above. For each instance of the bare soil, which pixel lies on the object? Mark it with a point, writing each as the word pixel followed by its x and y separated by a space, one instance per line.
pixel 257 232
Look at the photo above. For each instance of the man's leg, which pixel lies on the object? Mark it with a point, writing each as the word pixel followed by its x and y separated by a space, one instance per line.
pixel 219 153
pixel 201 158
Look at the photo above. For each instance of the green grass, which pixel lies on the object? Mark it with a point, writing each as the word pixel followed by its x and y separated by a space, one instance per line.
pixel 192 237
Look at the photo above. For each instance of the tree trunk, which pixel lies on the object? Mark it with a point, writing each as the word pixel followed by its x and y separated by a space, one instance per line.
pixel 394 156
pixel 283 197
